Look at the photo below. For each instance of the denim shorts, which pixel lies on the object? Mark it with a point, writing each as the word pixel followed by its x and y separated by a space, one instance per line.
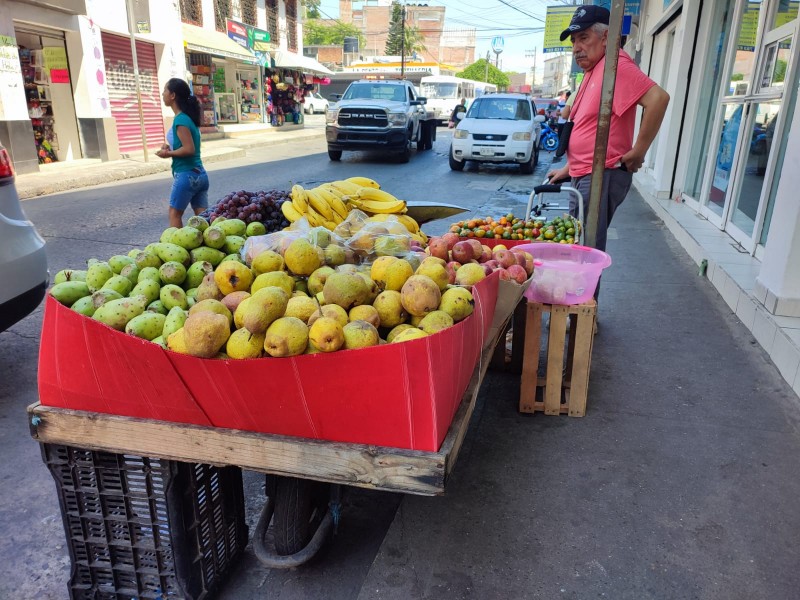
pixel 189 187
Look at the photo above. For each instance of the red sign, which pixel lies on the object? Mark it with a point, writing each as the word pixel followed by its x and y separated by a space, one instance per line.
pixel 59 76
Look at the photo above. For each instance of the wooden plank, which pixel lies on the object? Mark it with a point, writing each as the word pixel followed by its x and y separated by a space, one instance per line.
pixel 530 365
pixel 582 358
pixel 393 469
pixel 555 359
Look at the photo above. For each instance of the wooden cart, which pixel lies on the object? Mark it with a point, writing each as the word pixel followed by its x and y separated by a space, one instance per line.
pixel 293 460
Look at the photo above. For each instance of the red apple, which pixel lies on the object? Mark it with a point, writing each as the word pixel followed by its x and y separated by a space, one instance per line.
pixel 463 252
pixel 477 247
pixel 438 247
pixel 453 265
pixel 451 272
pixel 518 273
pixel 487 254
pixel 505 258
pixel 504 275
pixel 451 239
pixel 492 263
pixel 487 269
pixel 528 263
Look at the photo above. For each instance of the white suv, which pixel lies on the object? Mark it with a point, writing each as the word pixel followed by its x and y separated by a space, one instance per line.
pixel 314 103
pixel 498 128
pixel 23 262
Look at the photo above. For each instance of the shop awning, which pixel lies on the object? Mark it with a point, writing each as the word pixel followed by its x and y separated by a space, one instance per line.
pixel 214 42
pixel 291 60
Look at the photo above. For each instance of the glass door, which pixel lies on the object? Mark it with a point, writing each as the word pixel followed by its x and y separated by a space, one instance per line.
pixel 738 185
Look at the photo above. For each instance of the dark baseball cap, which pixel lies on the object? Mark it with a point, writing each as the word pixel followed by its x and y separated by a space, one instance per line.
pixel 585 16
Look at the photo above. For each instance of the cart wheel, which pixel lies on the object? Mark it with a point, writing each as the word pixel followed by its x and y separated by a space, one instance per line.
pixel 335 155
pixel 300 505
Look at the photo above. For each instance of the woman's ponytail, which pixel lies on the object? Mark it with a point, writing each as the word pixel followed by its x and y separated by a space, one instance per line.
pixel 188 104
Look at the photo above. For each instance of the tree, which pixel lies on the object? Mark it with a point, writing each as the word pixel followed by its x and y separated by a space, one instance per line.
pixel 402 40
pixel 316 33
pixel 477 72
pixel 395 37
pixel 312 8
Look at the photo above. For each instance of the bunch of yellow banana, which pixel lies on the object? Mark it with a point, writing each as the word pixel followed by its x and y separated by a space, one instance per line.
pixel 374 201
pixel 319 205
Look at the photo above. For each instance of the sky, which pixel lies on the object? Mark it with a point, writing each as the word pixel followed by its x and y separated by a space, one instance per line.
pixel 519 22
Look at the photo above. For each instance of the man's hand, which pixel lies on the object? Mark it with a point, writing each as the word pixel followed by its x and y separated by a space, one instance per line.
pixel 558 174
pixel 632 161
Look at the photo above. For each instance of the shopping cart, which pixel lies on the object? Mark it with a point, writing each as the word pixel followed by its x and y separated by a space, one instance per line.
pixel 535 210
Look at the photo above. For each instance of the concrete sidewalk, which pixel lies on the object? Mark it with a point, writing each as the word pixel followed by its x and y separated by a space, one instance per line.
pixel 64 176
pixel 680 482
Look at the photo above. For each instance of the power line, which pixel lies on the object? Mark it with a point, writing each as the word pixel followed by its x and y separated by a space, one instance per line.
pixel 521 11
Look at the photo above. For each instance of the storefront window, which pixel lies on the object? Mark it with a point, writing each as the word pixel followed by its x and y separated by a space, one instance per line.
pixel 723 165
pixel 755 165
pixel 742 75
pixel 720 24
pixel 785 12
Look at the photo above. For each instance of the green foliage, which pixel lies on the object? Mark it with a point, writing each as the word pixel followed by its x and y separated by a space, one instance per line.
pixel 395 37
pixel 737 77
pixel 780 71
pixel 316 33
pixel 477 72
pixel 312 8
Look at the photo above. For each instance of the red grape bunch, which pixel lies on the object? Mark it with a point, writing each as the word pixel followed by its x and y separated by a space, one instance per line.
pixel 262 206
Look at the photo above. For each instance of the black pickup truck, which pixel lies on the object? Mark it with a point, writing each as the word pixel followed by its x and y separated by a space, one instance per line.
pixel 385 115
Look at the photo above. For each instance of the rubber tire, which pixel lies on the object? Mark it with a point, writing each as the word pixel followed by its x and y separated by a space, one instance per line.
pixel 300 505
pixel 311 109
pixel 454 164
pixel 536 156
pixel 335 155
pixel 550 143
pixel 527 167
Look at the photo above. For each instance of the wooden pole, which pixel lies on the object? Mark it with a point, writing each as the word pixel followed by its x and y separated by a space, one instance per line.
pixel 604 120
pixel 131 30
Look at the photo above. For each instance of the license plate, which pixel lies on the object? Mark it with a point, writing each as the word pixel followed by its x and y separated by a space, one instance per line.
pixel 487 151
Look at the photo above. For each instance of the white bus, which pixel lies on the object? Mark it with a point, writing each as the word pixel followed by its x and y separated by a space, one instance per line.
pixel 445 91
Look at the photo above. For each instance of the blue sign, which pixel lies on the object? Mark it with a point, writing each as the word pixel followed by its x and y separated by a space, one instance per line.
pixel 497 44
pixel 632 7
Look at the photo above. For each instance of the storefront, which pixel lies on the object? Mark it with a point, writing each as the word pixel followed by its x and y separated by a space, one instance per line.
pixel 739 128
pixel 48 93
pixel 122 92
pixel 226 78
pixel 286 83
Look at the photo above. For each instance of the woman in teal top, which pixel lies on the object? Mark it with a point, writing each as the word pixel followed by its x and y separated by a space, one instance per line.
pixel 190 180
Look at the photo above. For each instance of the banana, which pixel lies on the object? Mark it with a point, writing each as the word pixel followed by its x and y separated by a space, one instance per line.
pixel 318 204
pixel 336 192
pixel 298 196
pixel 329 225
pixel 410 224
pixel 289 211
pixel 333 201
pixel 375 195
pixel 371 206
pixel 364 182
pixel 314 218
pixel 346 187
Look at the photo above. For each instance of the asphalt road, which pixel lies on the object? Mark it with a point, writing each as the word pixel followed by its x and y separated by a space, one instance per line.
pixel 112 219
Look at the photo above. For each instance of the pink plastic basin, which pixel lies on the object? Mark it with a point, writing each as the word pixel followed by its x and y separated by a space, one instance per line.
pixel 564 273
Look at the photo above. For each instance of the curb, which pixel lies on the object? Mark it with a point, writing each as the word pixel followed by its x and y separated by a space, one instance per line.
pixel 43 183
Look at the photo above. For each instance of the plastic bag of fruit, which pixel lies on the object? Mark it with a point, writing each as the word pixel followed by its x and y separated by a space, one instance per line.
pixel 280 240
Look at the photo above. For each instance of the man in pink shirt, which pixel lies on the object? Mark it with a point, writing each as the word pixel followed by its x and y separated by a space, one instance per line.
pixel 588 31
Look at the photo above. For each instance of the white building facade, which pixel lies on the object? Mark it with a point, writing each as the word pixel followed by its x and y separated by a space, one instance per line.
pixel 725 168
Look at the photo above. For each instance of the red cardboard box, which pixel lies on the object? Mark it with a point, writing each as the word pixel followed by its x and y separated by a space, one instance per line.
pixel 399 395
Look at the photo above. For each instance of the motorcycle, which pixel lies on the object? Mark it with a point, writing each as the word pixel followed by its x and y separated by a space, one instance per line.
pixel 548 139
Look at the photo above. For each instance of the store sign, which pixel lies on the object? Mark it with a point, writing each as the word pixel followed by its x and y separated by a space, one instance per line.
pixel 749 29
pixel 55 57
pixel 99 104
pixel 248 37
pixel 237 32
pixel 59 76
pixel 12 93
pixel 556 21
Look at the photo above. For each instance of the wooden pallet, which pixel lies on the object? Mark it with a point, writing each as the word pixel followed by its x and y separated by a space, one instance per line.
pixel 564 387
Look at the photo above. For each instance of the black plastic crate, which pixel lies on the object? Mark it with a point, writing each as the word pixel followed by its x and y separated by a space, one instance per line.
pixel 146 528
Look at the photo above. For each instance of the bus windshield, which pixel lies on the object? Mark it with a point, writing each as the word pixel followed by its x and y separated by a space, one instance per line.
pixel 433 89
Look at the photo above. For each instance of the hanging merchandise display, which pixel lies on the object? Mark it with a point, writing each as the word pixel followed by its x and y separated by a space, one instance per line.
pixel 284 91
pixel 201 68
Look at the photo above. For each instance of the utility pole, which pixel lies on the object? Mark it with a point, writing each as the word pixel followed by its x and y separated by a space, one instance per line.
pixel 403 42
pixel 528 54
pixel 486 75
